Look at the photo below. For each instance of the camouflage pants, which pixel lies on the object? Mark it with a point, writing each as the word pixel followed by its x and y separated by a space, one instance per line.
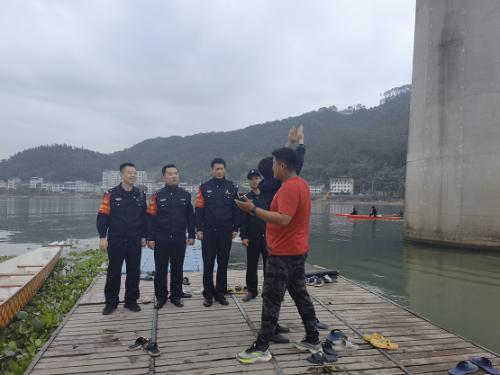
pixel 282 273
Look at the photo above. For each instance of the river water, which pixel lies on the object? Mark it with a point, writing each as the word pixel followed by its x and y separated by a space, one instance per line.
pixel 459 289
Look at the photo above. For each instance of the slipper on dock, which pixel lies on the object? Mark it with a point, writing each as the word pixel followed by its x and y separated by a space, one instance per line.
pixel 485 364
pixel 463 368
pixel 373 335
pixel 383 343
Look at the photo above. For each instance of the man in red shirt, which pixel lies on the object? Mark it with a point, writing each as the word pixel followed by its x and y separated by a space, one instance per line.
pixel 287 233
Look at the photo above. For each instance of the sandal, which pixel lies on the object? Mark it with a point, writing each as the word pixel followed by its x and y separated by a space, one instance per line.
pixel 383 343
pixel 485 364
pixel 462 368
pixel 373 335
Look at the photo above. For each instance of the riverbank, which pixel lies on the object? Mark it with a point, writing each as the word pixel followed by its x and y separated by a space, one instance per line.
pixel 34 324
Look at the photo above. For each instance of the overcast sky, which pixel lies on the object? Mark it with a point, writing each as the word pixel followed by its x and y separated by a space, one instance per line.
pixel 107 74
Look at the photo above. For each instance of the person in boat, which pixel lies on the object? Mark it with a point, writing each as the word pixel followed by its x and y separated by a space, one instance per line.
pixel 170 216
pixel 217 224
pixel 373 212
pixel 354 211
pixel 253 235
pixel 400 213
pixel 287 235
pixel 122 227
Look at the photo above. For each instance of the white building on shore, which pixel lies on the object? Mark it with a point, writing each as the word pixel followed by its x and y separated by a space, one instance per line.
pixel 112 178
pixel 13 183
pixel 316 190
pixel 342 185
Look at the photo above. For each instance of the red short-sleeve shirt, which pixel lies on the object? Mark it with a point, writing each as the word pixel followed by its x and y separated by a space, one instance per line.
pixel 292 199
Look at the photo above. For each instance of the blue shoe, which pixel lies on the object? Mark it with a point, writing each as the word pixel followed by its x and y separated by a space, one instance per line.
pixel 335 336
pixel 485 364
pixel 463 368
pixel 320 325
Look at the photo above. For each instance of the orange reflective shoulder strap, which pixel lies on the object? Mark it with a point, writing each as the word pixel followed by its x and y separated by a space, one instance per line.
pixel 152 206
pixel 105 207
pixel 200 200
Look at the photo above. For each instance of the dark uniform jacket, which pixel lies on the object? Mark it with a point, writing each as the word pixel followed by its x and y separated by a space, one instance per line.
pixel 269 186
pixel 170 213
pixel 215 207
pixel 122 214
pixel 252 226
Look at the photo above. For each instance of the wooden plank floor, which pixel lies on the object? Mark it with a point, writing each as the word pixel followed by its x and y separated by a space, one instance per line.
pixel 204 341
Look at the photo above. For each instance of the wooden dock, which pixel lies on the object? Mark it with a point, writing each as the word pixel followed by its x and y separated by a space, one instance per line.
pixel 204 341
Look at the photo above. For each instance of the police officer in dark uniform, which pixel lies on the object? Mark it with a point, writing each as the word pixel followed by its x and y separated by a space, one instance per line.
pixel 217 222
pixel 121 223
pixel 253 235
pixel 170 216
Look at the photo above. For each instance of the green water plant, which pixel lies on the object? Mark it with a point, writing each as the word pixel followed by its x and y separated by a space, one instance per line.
pixel 32 326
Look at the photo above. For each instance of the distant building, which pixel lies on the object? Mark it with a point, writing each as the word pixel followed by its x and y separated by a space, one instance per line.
pixel 36 183
pixel 112 178
pixel 316 189
pixel 342 185
pixel 55 188
pixel 13 183
pixel 3 184
pixel 79 186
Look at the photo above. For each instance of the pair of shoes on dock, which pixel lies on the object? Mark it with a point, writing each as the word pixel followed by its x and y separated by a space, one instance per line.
pixel 476 363
pixel 147 345
pixel 380 342
pixel 109 308
pixel 340 341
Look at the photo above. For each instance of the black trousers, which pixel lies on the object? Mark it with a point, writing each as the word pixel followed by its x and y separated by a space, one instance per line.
pixel 256 247
pixel 169 249
pixel 216 244
pixel 282 273
pixel 119 250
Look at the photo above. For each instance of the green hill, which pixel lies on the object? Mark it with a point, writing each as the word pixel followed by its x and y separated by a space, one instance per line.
pixel 367 144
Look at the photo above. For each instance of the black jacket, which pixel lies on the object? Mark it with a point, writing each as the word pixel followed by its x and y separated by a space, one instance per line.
pixel 215 207
pixel 122 214
pixel 269 186
pixel 170 213
pixel 252 226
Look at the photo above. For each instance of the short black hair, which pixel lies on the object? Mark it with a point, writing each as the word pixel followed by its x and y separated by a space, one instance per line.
pixel 218 161
pixel 165 167
pixel 265 167
pixel 125 165
pixel 286 156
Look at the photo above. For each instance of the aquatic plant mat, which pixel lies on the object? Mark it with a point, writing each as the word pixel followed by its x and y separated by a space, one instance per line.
pixel 199 340
pixel 35 323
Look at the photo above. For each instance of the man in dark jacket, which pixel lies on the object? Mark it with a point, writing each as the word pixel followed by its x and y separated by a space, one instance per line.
pixel 121 223
pixel 170 216
pixel 217 223
pixel 269 185
pixel 253 235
